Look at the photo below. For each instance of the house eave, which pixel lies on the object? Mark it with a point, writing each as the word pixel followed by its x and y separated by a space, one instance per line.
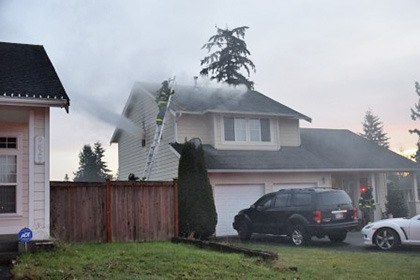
pixel 292 116
pixel 10 101
pixel 332 170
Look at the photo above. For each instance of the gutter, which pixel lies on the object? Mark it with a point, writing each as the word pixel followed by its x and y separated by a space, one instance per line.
pixel 42 102
pixel 244 113
pixel 310 170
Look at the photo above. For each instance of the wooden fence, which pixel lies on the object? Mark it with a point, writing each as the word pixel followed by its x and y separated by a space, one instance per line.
pixel 114 211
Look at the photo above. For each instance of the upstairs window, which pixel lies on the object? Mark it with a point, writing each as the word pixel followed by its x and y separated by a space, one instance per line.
pixel 247 129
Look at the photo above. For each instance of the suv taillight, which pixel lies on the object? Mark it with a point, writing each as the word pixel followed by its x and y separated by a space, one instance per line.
pixel 355 213
pixel 317 216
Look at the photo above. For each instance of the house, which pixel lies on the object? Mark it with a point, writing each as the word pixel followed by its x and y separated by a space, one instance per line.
pixel 253 145
pixel 29 86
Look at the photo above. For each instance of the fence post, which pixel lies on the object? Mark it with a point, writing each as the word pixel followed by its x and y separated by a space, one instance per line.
pixel 108 205
pixel 175 186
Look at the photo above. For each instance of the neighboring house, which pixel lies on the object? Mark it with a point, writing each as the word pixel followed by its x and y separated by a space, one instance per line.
pixel 29 86
pixel 253 145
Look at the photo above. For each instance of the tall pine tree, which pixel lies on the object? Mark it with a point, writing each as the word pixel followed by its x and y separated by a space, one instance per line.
pixel 91 166
pixel 373 129
pixel 226 63
pixel 415 113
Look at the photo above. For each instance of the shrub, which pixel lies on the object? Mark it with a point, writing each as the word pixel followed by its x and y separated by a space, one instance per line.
pixel 396 204
pixel 197 212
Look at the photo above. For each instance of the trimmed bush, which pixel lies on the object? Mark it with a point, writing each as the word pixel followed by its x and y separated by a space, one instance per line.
pixel 396 204
pixel 197 212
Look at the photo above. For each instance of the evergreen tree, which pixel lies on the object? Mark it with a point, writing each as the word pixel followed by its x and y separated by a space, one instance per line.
pixel 197 212
pixel 66 178
pixel 225 64
pixel 91 166
pixel 415 113
pixel 373 129
pixel 103 168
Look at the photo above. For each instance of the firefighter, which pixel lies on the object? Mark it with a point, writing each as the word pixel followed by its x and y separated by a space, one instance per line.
pixel 132 177
pixel 162 98
pixel 366 204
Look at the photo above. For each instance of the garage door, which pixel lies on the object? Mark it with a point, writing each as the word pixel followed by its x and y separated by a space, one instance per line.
pixel 229 200
pixel 277 187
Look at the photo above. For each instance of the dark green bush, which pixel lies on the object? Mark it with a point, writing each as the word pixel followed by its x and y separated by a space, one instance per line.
pixel 396 204
pixel 197 212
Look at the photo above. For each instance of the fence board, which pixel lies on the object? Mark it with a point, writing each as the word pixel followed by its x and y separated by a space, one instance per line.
pixel 139 211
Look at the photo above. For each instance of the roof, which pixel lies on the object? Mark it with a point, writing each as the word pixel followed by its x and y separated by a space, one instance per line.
pixel 201 100
pixel 27 76
pixel 320 150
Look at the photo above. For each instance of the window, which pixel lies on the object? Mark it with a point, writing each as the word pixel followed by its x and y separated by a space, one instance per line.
pixel 281 200
pixel 8 143
pixel 8 183
pixel 8 174
pixel 301 199
pixel 264 202
pixel 247 130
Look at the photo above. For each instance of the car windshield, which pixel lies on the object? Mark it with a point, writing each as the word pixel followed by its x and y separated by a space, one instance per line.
pixel 333 198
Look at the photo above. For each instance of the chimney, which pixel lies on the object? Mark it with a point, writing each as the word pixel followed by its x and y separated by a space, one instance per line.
pixel 195 81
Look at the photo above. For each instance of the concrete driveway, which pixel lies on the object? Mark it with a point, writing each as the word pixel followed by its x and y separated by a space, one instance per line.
pixel 353 242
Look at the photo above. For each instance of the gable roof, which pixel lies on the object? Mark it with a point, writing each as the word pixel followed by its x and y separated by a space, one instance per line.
pixel 27 76
pixel 321 150
pixel 200 100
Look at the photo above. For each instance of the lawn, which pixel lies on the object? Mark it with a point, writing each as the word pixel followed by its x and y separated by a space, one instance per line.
pixel 163 260
pixel 159 260
pixel 330 263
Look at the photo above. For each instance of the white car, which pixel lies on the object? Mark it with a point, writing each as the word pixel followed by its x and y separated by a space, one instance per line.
pixel 390 233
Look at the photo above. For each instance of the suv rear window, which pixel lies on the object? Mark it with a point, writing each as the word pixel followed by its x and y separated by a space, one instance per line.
pixel 333 198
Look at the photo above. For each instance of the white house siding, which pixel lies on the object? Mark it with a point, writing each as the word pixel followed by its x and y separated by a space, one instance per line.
pixel 289 132
pixel 132 156
pixel 40 224
pixel 33 179
pixel 12 223
pixel 192 126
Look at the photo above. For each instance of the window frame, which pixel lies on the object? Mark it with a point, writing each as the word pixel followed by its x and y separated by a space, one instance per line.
pixel 248 129
pixel 18 184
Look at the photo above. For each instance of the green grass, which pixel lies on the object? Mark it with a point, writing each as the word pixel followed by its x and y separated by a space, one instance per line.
pixel 140 261
pixel 164 260
pixel 328 263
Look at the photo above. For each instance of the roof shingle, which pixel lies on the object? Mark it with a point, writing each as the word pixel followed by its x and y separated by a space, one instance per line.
pixel 27 73
pixel 207 99
pixel 321 149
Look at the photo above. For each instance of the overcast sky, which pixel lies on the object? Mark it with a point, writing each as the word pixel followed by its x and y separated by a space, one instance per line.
pixel 330 60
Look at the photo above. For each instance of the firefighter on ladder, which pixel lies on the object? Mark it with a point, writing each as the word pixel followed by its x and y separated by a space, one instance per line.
pixel 366 204
pixel 162 98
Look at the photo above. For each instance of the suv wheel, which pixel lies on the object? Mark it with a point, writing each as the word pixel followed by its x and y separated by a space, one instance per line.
pixel 337 236
pixel 244 231
pixel 298 235
pixel 386 239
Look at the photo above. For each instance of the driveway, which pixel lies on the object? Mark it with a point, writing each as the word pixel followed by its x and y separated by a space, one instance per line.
pixel 353 242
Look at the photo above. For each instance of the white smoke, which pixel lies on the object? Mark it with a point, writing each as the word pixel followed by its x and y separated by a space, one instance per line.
pixel 98 109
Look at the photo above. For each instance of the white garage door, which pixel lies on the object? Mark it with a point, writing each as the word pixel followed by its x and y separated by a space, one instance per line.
pixel 229 200
pixel 277 187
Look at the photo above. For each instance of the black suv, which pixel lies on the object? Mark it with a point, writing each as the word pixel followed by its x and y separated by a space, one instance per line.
pixel 300 214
